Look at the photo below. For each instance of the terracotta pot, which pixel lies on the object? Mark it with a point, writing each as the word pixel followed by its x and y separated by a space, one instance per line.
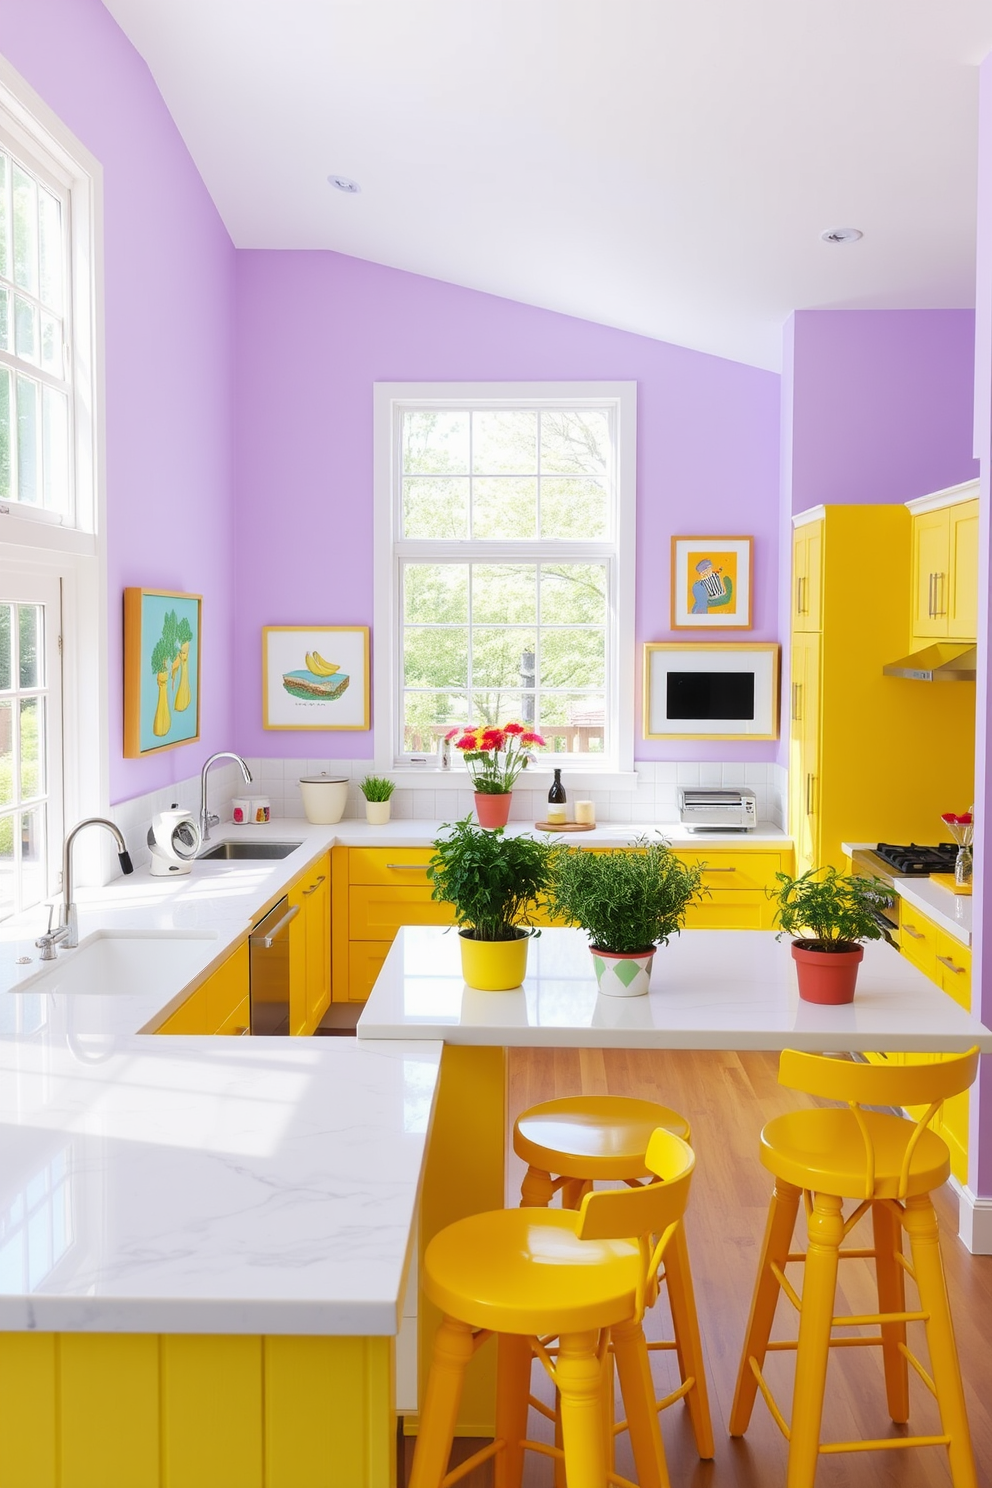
pixel 494 965
pixel 827 976
pixel 493 811
pixel 623 973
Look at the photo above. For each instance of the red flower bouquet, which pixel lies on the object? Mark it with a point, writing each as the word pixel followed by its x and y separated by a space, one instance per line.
pixel 495 756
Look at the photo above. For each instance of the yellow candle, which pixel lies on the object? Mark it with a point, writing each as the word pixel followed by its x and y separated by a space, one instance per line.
pixel 557 815
pixel 585 813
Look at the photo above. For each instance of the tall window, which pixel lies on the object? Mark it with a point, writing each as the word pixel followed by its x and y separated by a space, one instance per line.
pixel 507 524
pixel 35 350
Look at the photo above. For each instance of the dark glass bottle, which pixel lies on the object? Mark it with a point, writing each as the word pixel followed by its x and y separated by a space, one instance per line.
pixel 556 795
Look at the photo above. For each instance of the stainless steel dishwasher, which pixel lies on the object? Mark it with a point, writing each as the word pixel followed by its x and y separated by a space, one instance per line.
pixel 269 970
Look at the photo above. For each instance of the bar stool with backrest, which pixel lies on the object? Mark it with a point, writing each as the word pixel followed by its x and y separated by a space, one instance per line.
pixel 890 1165
pixel 583 1277
pixel 571 1142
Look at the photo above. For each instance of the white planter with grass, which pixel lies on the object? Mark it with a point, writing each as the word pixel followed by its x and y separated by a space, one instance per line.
pixel 377 790
pixel 377 813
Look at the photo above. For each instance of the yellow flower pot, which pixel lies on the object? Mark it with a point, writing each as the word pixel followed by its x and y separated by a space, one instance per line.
pixel 494 965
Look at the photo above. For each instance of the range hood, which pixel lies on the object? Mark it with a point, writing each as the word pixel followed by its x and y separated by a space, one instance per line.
pixel 941 662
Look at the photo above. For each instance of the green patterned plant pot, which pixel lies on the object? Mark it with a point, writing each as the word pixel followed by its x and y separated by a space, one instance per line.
pixel 623 973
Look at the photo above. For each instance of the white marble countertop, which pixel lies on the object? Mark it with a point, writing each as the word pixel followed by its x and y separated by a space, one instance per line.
pixel 710 989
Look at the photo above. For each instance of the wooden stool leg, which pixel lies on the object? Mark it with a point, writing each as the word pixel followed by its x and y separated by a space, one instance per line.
pixel 891 1280
pixel 574 1191
pixel 537 1190
pixel 634 1368
pixel 826 1231
pixel 513 1364
pixel 682 1301
pixel 924 1239
pixel 579 1373
pixel 453 1348
pixel 778 1238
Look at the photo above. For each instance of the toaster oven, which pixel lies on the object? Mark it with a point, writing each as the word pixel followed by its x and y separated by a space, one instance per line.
pixel 733 810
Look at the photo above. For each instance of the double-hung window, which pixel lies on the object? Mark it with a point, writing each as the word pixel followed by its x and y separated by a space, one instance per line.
pixel 504 566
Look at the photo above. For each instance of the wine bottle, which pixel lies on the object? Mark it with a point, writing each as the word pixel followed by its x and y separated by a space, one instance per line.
pixel 556 795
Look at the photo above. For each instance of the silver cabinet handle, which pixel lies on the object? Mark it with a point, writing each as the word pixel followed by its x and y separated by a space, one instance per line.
pixel 914 933
pixel 267 939
pixel 930 597
pixel 946 961
pixel 409 867
pixel 314 886
pixel 717 870
pixel 941 589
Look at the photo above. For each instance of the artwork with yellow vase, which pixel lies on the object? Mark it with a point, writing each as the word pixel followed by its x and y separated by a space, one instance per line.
pixel 161 670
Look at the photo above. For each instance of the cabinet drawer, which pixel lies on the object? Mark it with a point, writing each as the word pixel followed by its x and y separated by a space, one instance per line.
pixel 735 870
pixel 400 866
pixel 238 1019
pixel 747 909
pixel 918 939
pixel 377 913
pixel 365 958
pixel 953 968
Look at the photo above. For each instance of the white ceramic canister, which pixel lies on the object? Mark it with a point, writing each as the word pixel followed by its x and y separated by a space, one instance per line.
pixel 324 797
pixel 241 810
pixel 261 809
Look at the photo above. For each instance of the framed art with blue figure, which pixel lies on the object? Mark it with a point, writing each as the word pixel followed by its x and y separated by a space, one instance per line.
pixel 711 583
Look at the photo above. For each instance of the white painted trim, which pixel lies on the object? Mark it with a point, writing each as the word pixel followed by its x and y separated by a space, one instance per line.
pixel 974 1219
pixel 386 395
pixel 813 514
pixel 967 491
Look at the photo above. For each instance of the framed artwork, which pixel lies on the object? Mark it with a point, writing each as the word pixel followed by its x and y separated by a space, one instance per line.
pixel 315 676
pixel 162 654
pixel 710 690
pixel 711 583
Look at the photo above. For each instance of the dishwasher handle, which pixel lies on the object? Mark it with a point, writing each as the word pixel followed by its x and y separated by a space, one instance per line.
pixel 268 939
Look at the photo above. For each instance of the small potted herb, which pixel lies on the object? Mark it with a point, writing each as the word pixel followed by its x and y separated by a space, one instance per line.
pixel 495 883
pixel 377 790
pixel 628 903
pixel 829 915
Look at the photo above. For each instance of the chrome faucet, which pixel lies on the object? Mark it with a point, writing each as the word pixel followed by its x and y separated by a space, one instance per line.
pixel 209 819
pixel 66 933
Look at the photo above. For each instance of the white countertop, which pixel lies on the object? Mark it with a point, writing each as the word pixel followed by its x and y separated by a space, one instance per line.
pixel 952 912
pixel 710 989
pixel 208 1185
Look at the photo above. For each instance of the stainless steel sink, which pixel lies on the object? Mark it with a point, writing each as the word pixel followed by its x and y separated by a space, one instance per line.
pixel 229 851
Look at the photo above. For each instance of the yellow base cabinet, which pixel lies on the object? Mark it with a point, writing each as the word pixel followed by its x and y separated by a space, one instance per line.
pixel 310 948
pixel 119 1410
pixel 218 1005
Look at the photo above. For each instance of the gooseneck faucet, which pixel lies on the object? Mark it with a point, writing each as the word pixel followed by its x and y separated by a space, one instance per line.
pixel 66 933
pixel 208 819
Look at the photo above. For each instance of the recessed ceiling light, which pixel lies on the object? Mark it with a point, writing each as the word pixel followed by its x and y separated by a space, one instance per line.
pixel 841 235
pixel 344 183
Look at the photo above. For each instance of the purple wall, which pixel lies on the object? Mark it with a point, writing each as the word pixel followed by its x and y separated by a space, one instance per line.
pixel 881 404
pixel 707 458
pixel 169 298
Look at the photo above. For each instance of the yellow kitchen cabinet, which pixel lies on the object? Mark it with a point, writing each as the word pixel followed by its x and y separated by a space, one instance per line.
pixel 945 566
pixel 807 576
pixel 219 1004
pixel 310 948
pixel 871 757
pixel 736 881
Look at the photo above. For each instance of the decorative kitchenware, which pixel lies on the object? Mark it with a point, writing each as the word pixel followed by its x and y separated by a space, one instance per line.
pixel 174 841
pixel 324 797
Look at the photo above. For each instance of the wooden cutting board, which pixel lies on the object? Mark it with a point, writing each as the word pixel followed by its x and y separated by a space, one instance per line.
pixel 565 826
pixel 946 881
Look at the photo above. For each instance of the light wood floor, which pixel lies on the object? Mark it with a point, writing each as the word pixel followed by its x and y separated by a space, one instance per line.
pixel 727 1098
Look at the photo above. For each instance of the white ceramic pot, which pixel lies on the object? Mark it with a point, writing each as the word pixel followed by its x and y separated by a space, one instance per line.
pixel 377 813
pixel 623 973
pixel 324 798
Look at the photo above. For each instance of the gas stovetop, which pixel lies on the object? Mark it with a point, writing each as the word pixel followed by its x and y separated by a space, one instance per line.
pixel 912 861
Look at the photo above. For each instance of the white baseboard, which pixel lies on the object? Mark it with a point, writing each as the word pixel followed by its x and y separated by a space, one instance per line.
pixel 974 1220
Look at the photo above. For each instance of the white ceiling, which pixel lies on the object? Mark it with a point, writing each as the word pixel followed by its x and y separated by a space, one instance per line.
pixel 665 166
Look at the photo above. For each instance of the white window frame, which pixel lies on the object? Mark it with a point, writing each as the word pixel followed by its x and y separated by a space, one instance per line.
pixel 391 400
pixel 37 541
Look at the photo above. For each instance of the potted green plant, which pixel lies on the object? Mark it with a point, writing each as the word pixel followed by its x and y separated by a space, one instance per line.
pixel 829 915
pixel 495 757
pixel 377 790
pixel 628 902
pixel 495 883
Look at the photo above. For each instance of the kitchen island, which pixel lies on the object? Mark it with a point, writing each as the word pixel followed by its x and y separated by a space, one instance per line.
pixel 709 990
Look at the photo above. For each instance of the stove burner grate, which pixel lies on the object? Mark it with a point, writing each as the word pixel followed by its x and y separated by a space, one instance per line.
pixel 913 861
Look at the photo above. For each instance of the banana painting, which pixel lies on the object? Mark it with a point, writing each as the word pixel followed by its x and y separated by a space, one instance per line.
pixel 318 666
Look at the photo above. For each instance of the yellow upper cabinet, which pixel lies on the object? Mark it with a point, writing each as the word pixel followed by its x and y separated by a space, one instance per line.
pixel 945 565
pixel 807 576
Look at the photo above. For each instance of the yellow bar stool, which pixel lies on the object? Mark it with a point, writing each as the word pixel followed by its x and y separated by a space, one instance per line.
pixel 568 1144
pixel 583 1277
pixel 890 1166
